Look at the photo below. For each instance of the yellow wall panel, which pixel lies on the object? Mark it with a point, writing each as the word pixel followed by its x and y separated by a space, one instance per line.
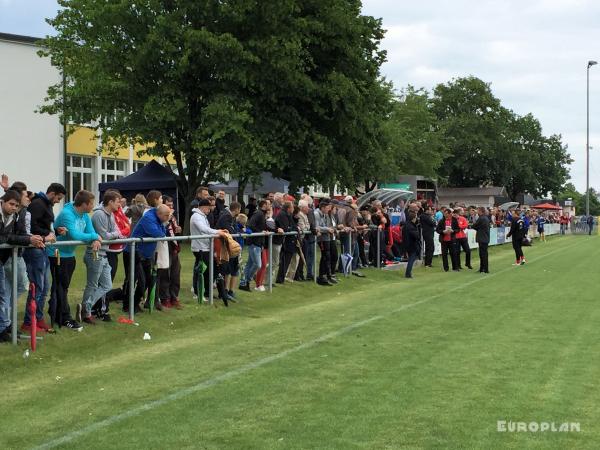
pixel 83 142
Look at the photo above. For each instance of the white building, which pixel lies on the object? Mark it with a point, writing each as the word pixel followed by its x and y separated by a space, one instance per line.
pixel 31 144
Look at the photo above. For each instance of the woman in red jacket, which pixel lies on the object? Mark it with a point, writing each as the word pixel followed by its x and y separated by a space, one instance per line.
pixel 461 237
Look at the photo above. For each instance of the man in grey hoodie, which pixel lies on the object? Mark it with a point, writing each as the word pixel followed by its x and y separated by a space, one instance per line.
pixel 99 280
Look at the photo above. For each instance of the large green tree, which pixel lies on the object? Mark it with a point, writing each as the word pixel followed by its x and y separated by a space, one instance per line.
pixel 490 144
pixel 220 87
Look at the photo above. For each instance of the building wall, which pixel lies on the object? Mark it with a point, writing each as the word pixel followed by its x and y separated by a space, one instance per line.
pixel 481 200
pixel 31 146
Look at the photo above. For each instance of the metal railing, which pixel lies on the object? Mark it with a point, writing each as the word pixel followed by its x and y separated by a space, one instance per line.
pixel 133 242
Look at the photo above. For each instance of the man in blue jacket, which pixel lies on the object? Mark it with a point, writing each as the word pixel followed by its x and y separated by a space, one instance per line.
pixel 75 219
pixel 151 225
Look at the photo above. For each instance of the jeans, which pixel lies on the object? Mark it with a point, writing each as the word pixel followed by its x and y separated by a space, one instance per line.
pixel 308 248
pixel 22 280
pixel 253 264
pixel 355 256
pixel 412 257
pixel 4 303
pixel 99 281
pixel 38 271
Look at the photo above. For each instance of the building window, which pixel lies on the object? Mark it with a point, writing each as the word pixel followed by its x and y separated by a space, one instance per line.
pixel 79 175
pixel 137 165
pixel 112 169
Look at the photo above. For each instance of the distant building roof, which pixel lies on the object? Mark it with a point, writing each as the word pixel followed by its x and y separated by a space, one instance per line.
pixel 488 191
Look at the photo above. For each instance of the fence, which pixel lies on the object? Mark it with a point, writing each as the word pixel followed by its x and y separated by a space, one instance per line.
pixel 497 237
pixel 131 285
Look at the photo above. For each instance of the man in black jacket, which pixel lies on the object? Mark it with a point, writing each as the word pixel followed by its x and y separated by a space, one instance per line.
pixel 447 229
pixel 10 234
pixel 255 245
pixel 517 232
pixel 285 221
pixel 482 236
pixel 36 259
pixel 230 269
pixel 428 229
pixel 412 241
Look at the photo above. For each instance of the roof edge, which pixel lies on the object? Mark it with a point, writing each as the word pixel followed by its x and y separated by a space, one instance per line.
pixel 18 38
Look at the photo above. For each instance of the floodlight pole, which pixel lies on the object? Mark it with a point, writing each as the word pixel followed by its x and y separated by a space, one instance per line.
pixel 587 142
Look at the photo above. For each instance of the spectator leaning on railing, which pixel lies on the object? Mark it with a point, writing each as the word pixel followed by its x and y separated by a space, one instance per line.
pixel 99 279
pixel 75 220
pixel 36 259
pixel 10 234
pixel 256 224
pixel 199 225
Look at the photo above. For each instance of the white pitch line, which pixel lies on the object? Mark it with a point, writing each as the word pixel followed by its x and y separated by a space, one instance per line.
pixel 258 363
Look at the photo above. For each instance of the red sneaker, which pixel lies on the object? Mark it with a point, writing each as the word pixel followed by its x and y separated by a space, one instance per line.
pixel 89 320
pixel 42 324
pixel 166 304
pixel 175 303
pixel 38 329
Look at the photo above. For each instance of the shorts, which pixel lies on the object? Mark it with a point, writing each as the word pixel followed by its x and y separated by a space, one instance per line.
pixel 232 267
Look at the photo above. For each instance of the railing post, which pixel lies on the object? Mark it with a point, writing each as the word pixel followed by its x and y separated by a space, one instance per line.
pixel 378 248
pixel 14 295
pixel 131 286
pixel 315 259
pixel 211 270
pixel 270 262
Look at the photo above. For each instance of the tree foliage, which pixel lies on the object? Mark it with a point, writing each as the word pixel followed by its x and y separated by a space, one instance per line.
pixel 491 145
pixel 289 86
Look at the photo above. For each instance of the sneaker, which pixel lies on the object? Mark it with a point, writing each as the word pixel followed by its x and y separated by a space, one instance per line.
pixel 289 280
pixel 323 282
pixel 358 274
pixel 6 335
pixel 89 320
pixel 166 304
pixel 260 288
pixel 158 306
pixel 231 294
pixel 106 318
pixel 194 296
pixel 42 324
pixel 175 303
pixel 73 325
pixel 244 287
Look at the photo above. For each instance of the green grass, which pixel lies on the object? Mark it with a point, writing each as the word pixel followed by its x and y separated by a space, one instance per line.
pixel 443 358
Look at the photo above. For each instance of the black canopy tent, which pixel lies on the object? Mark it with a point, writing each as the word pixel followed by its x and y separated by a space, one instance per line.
pixel 153 176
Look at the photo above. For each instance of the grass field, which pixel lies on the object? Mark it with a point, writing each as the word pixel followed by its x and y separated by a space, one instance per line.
pixel 380 362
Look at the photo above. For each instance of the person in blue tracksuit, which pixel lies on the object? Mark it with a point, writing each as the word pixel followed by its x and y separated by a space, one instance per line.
pixel 75 219
pixel 151 225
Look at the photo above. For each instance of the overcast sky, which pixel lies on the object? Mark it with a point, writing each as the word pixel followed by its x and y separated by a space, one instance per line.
pixel 534 53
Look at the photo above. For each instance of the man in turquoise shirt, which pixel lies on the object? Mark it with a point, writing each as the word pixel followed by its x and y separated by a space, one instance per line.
pixel 76 220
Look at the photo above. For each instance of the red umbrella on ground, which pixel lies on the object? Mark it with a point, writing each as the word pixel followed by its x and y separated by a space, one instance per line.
pixel 547 206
